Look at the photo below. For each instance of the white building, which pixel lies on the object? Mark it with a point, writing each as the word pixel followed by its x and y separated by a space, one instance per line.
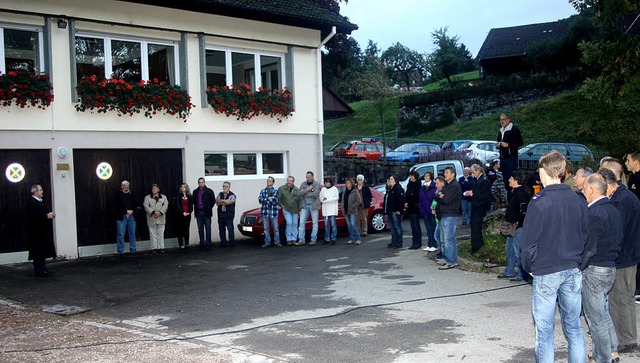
pixel 193 44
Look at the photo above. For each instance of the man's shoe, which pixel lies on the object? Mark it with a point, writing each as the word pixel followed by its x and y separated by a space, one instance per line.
pixel 448 266
pixel 441 262
pixel 638 300
pixel 278 245
pixel 312 243
pixel 325 242
pixel 627 348
pixel 503 276
pixel 390 245
pixel 298 243
pixel 357 242
pixel 265 245
pixel 516 279
pixel 363 235
pixel 349 242
pixel 333 242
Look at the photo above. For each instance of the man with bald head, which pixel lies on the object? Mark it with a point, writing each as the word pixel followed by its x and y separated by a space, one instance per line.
pixel 622 302
pixel 598 266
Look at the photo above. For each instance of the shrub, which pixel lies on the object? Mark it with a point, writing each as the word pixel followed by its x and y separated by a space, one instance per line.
pixel 148 97
pixel 25 90
pixel 243 104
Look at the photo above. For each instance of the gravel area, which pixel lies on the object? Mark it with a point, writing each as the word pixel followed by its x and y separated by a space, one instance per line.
pixel 28 335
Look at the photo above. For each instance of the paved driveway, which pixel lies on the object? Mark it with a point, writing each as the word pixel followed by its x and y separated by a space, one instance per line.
pixel 322 304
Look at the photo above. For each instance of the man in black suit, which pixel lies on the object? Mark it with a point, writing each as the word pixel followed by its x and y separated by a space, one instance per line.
pixel 598 266
pixel 508 142
pixel 40 223
pixel 480 201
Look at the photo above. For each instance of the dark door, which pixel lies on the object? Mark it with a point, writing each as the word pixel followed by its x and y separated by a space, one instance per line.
pixel 95 218
pixel 13 196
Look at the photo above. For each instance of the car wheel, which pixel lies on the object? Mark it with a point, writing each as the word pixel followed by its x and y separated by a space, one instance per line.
pixel 376 224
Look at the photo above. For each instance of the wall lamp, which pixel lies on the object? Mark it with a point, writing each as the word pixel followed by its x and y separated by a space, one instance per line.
pixel 62 24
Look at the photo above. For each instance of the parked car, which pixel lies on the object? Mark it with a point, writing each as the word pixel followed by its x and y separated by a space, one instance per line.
pixel 480 152
pixel 453 144
pixel 411 152
pixel 251 221
pixel 367 148
pixel 436 167
pixel 529 155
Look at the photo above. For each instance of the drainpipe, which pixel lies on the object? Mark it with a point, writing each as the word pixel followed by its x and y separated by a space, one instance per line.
pixel 320 107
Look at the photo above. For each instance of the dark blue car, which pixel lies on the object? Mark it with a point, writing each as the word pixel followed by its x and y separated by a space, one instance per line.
pixel 411 152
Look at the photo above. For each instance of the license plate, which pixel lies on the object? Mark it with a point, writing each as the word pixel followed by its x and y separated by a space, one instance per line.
pixel 247 228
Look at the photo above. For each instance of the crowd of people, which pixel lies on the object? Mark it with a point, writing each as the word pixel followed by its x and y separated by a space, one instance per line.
pixel 574 236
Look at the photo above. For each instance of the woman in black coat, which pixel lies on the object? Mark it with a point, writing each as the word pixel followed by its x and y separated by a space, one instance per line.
pixel 393 207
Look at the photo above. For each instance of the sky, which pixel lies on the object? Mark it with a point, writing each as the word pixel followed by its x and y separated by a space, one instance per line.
pixel 411 22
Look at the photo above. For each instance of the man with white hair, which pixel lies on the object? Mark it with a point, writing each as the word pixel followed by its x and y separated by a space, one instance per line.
pixel 124 205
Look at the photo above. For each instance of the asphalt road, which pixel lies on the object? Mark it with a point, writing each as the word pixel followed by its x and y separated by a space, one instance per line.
pixel 341 303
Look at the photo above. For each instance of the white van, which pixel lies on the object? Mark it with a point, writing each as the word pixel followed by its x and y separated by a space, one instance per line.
pixel 436 167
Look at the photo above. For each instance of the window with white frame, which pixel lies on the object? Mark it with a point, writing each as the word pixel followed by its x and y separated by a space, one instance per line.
pixel 243 165
pixel 234 67
pixel 132 60
pixel 21 49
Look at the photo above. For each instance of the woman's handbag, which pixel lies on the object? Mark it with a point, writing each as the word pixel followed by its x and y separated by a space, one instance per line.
pixel 508 229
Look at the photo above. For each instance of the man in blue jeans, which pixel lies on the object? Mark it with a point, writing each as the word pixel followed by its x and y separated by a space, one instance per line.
pixel 125 205
pixel 203 201
pixel 449 201
pixel 553 240
pixel 598 267
pixel 268 198
pixel 309 191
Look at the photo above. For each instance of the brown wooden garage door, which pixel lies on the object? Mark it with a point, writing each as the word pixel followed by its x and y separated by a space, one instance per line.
pixel 94 197
pixel 13 196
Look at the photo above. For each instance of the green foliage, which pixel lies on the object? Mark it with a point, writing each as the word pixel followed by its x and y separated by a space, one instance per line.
pixel 404 66
pixel 449 58
pixel 458 78
pixel 488 87
pixel 492 252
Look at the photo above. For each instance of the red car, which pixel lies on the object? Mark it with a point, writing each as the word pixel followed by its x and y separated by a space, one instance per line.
pixel 367 148
pixel 251 221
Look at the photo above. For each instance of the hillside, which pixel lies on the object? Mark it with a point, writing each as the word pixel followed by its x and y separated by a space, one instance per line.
pixel 562 118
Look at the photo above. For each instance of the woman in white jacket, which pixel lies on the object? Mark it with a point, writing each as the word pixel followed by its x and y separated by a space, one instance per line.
pixel 329 197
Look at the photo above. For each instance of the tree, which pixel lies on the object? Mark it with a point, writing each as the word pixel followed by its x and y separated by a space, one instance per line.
pixel 449 58
pixel 404 65
pixel 377 89
pixel 615 84
pixel 342 52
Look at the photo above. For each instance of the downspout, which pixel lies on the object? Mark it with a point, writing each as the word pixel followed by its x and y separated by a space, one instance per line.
pixel 319 101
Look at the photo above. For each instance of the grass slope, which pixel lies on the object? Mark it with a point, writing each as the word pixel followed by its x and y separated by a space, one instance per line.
pixel 562 118
pixel 458 77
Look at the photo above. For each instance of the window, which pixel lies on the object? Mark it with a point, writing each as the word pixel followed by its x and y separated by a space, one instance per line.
pixel 434 149
pixel 21 50
pixel 424 169
pixel 129 59
pixel 235 67
pixel 224 166
pixel 441 168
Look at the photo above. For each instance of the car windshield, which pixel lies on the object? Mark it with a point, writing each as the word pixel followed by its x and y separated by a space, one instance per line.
pixel 342 146
pixel 464 145
pixel 406 147
pixel 525 149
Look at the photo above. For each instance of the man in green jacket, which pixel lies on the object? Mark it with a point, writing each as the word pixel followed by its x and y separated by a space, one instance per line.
pixel 290 203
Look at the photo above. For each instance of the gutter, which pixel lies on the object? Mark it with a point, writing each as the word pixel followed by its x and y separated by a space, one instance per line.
pixel 319 99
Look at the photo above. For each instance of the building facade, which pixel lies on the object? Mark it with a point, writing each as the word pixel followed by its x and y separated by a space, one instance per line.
pixel 191 45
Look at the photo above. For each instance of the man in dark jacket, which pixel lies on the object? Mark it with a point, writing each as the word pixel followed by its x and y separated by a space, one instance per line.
pixel 508 142
pixel 411 198
pixel 393 208
pixel 450 198
pixel 203 201
pixel 553 239
pixel 622 302
pixel 125 205
pixel 599 266
pixel 480 195
pixel 40 222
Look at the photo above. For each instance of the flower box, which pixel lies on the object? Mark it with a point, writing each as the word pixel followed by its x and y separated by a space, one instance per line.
pixel 243 104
